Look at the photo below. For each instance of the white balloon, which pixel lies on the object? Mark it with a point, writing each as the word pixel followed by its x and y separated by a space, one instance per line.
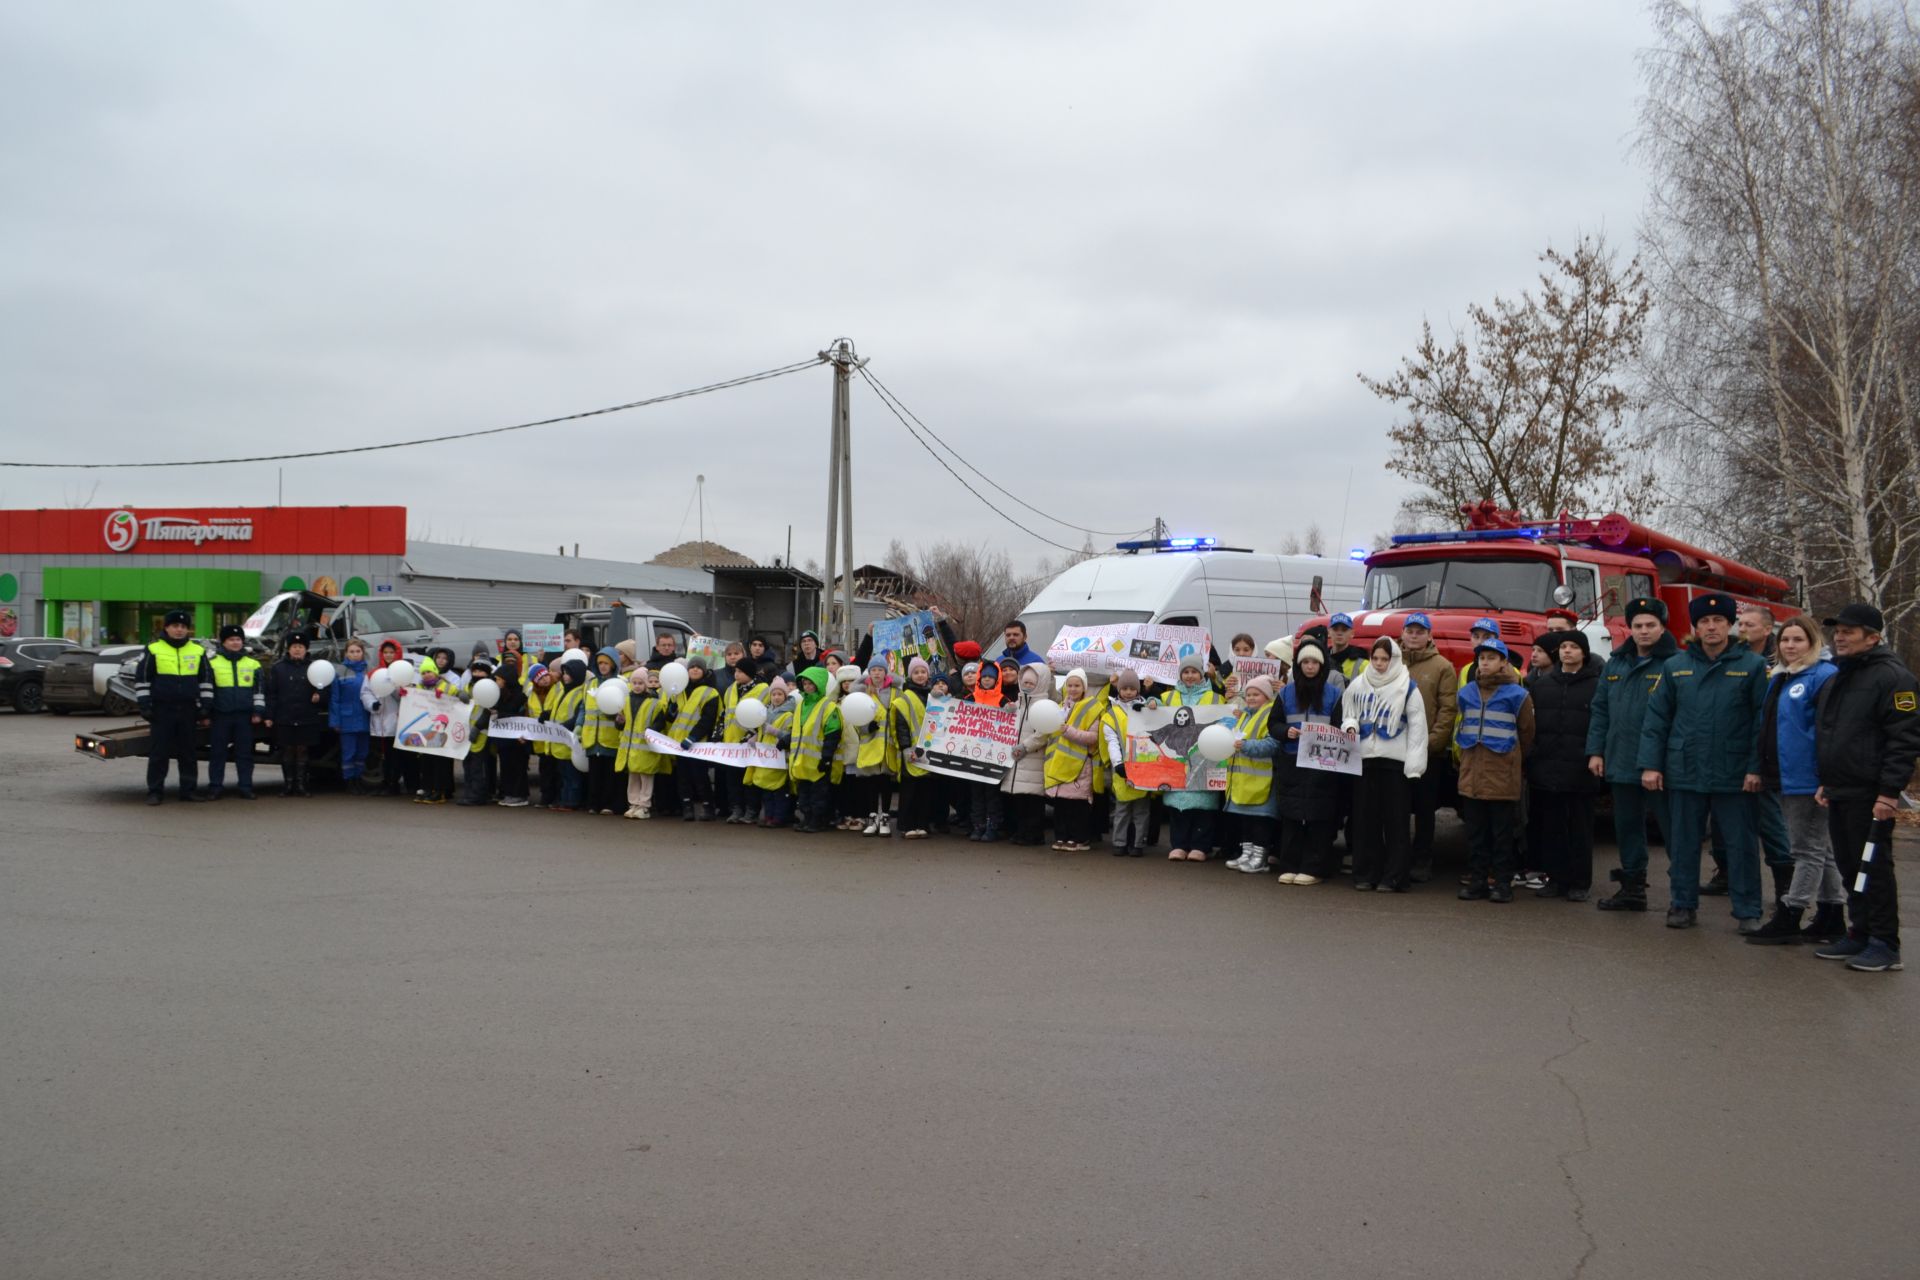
pixel 320 674
pixel 859 710
pixel 611 697
pixel 1046 716
pixel 486 693
pixel 402 674
pixel 579 757
pixel 751 713
pixel 381 683
pixel 1216 742
pixel 673 679
pixel 573 655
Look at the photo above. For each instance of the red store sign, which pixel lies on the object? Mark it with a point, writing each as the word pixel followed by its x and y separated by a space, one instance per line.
pixel 221 531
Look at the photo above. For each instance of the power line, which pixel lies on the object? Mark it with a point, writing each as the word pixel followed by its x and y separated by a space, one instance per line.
pixel 883 390
pixel 884 399
pixel 762 376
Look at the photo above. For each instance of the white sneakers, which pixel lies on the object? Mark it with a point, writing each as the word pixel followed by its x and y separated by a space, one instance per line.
pixel 1252 860
pixel 886 824
pixel 1298 877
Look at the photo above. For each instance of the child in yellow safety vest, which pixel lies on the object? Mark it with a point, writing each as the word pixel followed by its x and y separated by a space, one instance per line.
pixel 815 740
pixel 1070 765
pixel 600 735
pixel 1127 831
pixel 743 684
pixel 773 785
pixel 868 785
pixel 1252 804
pixel 642 765
pixel 694 714
pixel 919 791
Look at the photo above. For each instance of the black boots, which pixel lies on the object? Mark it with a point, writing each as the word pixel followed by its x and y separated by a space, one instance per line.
pixel 1782 880
pixel 1782 929
pixel 1632 894
pixel 1829 924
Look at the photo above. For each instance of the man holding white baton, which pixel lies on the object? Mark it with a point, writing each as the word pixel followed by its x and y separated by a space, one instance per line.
pixel 1866 738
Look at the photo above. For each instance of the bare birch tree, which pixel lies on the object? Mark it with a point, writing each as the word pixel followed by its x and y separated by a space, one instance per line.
pixel 1783 241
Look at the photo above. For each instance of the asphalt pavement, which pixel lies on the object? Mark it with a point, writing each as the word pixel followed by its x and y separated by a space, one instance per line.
pixel 339 1037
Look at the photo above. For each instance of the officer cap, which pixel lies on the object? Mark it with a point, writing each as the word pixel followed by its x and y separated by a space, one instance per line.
pixel 1648 605
pixel 181 616
pixel 1719 604
pixel 299 637
pixel 232 631
pixel 1859 614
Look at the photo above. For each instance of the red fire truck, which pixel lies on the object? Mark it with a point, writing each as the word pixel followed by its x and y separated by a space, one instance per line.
pixel 1514 570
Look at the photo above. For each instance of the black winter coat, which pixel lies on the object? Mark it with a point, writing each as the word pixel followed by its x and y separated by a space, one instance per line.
pixel 1562 710
pixel 1867 734
pixel 290 699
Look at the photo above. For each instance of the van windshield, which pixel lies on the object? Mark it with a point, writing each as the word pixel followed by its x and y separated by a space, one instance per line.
pixel 1043 627
pixel 1466 583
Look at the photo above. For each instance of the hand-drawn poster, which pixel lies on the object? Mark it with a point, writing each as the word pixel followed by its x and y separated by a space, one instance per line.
pixel 967 740
pixel 1326 748
pixel 1150 651
pixel 916 635
pixel 432 726
pixel 1163 748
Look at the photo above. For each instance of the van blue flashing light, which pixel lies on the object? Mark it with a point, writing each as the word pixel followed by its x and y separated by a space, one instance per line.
pixel 1534 532
pixel 1168 544
pixel 1358 553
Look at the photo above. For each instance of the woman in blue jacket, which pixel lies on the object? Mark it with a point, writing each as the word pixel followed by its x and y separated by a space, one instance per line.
pixel 1788 767
pixel 350 714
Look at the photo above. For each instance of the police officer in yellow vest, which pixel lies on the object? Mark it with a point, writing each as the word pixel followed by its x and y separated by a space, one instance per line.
pixel 239 700
pixel 175 695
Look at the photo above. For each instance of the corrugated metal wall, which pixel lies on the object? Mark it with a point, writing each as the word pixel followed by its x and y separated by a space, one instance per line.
pixel 505 604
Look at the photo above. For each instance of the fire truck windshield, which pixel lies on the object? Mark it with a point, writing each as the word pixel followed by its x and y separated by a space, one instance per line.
pixel 1466 583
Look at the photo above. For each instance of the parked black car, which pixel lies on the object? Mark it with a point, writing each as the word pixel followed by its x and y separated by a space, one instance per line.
pixel 81 680
pixel 23 663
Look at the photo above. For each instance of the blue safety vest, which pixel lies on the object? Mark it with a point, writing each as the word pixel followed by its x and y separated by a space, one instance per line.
pixel 1491 722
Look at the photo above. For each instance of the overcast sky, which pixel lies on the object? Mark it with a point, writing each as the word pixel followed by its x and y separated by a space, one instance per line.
pixel 1128 258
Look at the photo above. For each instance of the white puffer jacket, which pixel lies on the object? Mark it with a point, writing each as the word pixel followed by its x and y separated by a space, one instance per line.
pixel 1028 777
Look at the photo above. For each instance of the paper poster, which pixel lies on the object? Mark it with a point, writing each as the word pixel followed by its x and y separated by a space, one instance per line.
pixel 915 635
pixel 734 755
pixel 1253 668
pixel 1163 748
pixel 967 740
pixel 432 726
pixel 1326 748
pixel 1145 648
pixel 712 652
pixel 532 728
pixel 537 638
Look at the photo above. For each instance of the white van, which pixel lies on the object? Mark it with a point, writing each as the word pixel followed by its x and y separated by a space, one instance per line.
pixel 1227 592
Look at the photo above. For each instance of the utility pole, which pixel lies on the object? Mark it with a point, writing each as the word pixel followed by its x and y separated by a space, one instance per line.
pixel 1159 529
pixel 840 486
pixel 700 497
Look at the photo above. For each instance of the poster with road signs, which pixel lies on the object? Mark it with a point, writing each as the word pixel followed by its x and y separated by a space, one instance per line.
pixel 966 739
pixel 1149 650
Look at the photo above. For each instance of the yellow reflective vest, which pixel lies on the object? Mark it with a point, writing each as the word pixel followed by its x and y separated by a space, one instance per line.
pixel 910 710
pixel 806 753
pixel 686 711
pixel 1250 781
pixel 599 729
pixel 635 756
pixel 1065 758
pixel 779 721
pixel 730 730
pixel 1116 715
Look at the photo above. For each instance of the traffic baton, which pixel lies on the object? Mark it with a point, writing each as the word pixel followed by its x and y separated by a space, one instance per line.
pixel 1879 833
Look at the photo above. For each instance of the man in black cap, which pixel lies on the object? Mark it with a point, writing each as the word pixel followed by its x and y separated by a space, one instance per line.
pixel 239 702
pixel 1618 712
pixel 1866 738
pixel 1700 744
pixel 175 694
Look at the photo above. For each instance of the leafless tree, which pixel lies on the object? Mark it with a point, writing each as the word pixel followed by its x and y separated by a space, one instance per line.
pixel 1530 407
pixel 1313 542
pixel 1783 239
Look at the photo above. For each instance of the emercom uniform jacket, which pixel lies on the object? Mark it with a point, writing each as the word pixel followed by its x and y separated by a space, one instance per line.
pixel 1703 720
pixel 1620 707
pixel 1868 731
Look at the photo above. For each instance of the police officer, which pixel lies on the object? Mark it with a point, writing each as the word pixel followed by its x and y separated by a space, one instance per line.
pixel 1613 744
pixel 1866 738
pixel 239 701
pixel 1701 745
pixel 173 692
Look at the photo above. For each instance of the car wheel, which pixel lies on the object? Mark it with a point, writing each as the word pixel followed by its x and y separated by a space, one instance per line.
pixel 27 700
pixel 115 705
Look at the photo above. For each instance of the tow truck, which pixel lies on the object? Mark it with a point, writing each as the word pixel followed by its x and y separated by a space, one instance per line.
pixel 1515 570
